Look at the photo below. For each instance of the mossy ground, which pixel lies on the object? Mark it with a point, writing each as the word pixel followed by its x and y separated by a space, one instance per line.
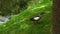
pixel 21 23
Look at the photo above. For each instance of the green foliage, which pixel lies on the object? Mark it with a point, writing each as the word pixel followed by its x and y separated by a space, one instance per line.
pixel 21 23
pixel 8 7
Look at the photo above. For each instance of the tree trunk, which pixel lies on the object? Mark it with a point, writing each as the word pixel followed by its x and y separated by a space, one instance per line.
pixel 56 17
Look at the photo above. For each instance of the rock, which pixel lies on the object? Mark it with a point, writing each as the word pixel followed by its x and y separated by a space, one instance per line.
pixel 3 19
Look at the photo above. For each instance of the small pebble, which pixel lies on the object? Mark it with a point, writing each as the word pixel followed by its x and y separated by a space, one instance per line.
pixel 36 18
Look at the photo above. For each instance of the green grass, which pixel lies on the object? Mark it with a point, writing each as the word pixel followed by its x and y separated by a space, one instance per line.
pixel 21 23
